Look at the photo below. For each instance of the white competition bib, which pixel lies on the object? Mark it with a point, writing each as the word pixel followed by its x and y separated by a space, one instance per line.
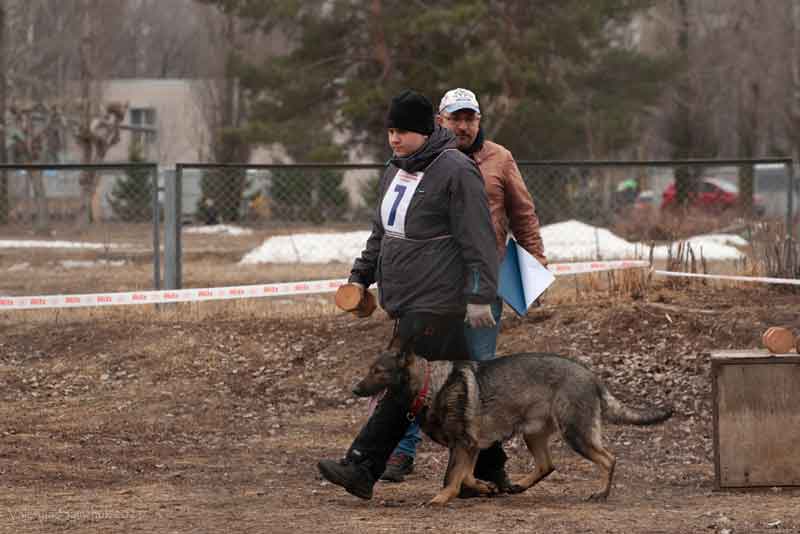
pixel 396 201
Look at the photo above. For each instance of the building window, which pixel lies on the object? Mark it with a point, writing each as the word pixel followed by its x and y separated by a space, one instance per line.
pixel 143 118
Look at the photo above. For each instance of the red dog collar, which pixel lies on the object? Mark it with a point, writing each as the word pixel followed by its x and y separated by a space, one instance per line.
pixel 419 402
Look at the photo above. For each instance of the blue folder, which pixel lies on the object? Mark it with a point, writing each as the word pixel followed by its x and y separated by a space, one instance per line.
pixel 519 264
pixel 509 285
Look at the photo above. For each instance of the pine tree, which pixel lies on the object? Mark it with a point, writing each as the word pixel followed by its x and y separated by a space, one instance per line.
pixel 314 195
pixel 540 72
pixel 132 195
pixel 555 79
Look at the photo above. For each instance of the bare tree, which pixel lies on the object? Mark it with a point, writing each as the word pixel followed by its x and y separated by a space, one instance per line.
pixel 218 92
pixel 793 124
pixel 161 40
pixel 34 137
pixel 43 105
pixel 3 100
pixel 32 121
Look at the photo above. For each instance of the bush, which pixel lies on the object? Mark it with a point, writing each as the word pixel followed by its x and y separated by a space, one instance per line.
pixel 370 192
pixel 132 195
pixel 316 195
pixel 222 191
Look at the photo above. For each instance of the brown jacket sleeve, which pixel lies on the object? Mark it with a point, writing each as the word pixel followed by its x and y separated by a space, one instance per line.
pixel 521 212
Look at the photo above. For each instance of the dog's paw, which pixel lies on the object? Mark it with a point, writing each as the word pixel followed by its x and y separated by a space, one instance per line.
pixel 489 488
pixel 439 500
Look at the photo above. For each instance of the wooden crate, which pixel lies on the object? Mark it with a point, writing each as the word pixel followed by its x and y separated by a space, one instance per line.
pixel 756 398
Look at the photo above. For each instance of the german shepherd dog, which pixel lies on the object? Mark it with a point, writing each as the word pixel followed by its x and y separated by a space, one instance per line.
pixel 468 406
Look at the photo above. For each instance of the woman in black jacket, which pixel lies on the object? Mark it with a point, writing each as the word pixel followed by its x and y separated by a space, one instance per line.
pixel 433 256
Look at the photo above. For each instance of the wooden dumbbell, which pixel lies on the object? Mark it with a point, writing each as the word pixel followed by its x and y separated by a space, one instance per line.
pixel 779 340
pixel 356 300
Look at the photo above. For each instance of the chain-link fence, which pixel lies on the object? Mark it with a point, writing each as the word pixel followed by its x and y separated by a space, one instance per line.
pixel 664 200
pixel 68 228
pixel 278 195
pixel 659 201
pixel 604 193
pixel 103 215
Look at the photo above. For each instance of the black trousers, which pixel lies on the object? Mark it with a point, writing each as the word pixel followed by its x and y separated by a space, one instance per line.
pixel 434 337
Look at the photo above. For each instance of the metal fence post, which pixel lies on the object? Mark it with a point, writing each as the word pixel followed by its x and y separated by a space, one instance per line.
pixel 156 230
pixel 790 229
pixel 172 229
pixel 4 206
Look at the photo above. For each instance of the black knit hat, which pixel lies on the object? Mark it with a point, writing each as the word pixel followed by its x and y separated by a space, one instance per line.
pixel 411 111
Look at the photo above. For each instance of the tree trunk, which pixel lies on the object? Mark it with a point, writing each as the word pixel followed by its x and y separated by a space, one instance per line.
pixel 794 57
pixel 88 179
pixel 748 131
pixel 682 147
pixel 4 206
pixel 748 96
pixel 42 222
pixel 378 38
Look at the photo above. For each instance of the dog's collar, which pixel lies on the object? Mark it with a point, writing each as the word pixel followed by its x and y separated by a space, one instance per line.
pixel 419 402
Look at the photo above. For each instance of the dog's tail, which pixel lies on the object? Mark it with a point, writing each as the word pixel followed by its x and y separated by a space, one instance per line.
pixel 615 412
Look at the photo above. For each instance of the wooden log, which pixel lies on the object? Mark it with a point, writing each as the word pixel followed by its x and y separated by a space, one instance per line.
pixel 348 297
pixel 366 306
pixel 356 300
pixel 779 340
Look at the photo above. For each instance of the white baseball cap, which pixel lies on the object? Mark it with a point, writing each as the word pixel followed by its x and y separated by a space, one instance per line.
pixel 457 99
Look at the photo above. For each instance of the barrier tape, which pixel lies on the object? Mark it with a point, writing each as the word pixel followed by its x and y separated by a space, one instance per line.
pixel 595 266
pixel 756 279
pixel 169 296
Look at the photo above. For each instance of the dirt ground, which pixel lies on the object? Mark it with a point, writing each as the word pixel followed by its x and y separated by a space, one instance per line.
pixel 212 419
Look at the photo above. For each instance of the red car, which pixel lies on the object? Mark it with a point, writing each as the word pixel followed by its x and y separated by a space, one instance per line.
pixel 713 194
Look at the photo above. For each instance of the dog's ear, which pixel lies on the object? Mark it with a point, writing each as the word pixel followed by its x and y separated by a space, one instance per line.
pixel 400 344
pixel 394 343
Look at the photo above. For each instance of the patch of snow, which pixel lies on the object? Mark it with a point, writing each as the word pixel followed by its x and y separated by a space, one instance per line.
pixel 82 264
pixel 574 240
pixel 12 243
pixel 309 248
pixel 218 229
pixel 19 266
pixel 564 241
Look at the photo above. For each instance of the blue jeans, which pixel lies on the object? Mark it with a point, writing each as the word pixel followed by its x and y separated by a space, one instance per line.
pixel 447 341
pixel 412 437
pixel 482 342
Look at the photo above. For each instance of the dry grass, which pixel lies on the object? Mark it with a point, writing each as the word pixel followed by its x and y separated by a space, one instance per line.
pixel 667 226
pixel 775 253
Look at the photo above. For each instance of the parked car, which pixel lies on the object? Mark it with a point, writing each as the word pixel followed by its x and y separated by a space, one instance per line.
pixel 645 200
pixel 713 194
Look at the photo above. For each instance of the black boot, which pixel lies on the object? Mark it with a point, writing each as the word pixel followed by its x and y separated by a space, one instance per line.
pixel 490 467
pixel 354 477
pixel 366 459
pixel 500 479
